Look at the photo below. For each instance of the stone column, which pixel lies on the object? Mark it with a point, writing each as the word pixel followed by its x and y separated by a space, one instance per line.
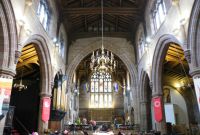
pixel 195 73
pixel 160 126
pixel 143 115
pixel 41 124
pixel 8 75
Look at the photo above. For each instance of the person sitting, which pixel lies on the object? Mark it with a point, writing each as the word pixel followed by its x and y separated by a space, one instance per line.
pixel 85 133
pixel 120 133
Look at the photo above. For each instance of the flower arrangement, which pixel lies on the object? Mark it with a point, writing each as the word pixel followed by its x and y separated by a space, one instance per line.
pixel 84 121
pixel 65 132
pixel 93 123
pixel 35 133
pixel 78 121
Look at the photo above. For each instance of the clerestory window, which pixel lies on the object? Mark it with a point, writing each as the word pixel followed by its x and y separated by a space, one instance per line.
pixel 158 13
pixel 44 14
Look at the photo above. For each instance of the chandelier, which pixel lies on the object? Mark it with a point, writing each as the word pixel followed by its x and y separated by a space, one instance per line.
pixel 20 86
pixel 102 60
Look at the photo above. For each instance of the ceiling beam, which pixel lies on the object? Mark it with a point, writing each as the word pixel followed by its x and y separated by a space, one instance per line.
pixel 125 11
pixel 98 34
pixel 31 60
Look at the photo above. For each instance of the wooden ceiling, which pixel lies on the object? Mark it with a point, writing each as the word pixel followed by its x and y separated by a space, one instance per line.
pixel 175 65
pixel 28 63
pixel 82 18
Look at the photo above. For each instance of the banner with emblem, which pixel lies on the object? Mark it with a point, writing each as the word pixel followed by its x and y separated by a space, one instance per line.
pixel 46 103
pixel 157 106
pixel 5 92
pixel 197 89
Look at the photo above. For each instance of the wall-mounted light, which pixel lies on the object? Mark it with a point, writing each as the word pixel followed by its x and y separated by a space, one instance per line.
pixel 148 40
pixel 55 40
pixel 177 85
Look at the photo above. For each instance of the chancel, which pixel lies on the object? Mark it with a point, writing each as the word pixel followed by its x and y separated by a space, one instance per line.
pixel 99 67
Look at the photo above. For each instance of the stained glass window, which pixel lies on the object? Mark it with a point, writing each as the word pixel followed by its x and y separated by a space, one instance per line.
pixel 101 90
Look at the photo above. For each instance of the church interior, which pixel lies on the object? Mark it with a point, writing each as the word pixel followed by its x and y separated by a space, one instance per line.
pixel 100 67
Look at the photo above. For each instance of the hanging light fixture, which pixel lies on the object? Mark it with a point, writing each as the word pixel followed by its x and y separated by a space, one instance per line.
pixel 20 86
pixel 101 60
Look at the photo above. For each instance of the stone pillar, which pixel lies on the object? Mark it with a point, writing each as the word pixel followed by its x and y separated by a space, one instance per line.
pixel 143 116
pixel 41 124
pixel 160 126
pixel 136 105
pixel 6 74
pixel 195 73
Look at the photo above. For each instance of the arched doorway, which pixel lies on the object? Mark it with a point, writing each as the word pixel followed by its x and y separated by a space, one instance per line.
pixel 170 68
pixel 145 102
pixel 45 71
pixel 58 102
pixel 181 109
pixel 25 91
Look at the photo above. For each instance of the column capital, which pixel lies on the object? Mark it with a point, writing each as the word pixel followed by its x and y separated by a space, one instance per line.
pixel 143 101
pixel 157 95
pixel 194 72
pixel 45 95
pixel 7 73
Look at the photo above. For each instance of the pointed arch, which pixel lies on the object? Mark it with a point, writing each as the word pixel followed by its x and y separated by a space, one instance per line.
pixel 45 62
pixel 109 46
pixel 143 83
pixel 158 58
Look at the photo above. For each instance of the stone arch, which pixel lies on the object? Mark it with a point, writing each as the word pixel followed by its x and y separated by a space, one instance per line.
pixel 145 101
pixel 45 63
pixel 109 46
pixel 194 35
pixel 158 58
pixel 8 38
pixel 143 84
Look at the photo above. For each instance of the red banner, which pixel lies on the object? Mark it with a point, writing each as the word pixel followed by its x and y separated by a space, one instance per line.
pixel 5 91
pixel 46 102
pixel 158 115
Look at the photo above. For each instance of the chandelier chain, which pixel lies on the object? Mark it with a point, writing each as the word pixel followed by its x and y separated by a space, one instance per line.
pixel 102 22
pixel 102 60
